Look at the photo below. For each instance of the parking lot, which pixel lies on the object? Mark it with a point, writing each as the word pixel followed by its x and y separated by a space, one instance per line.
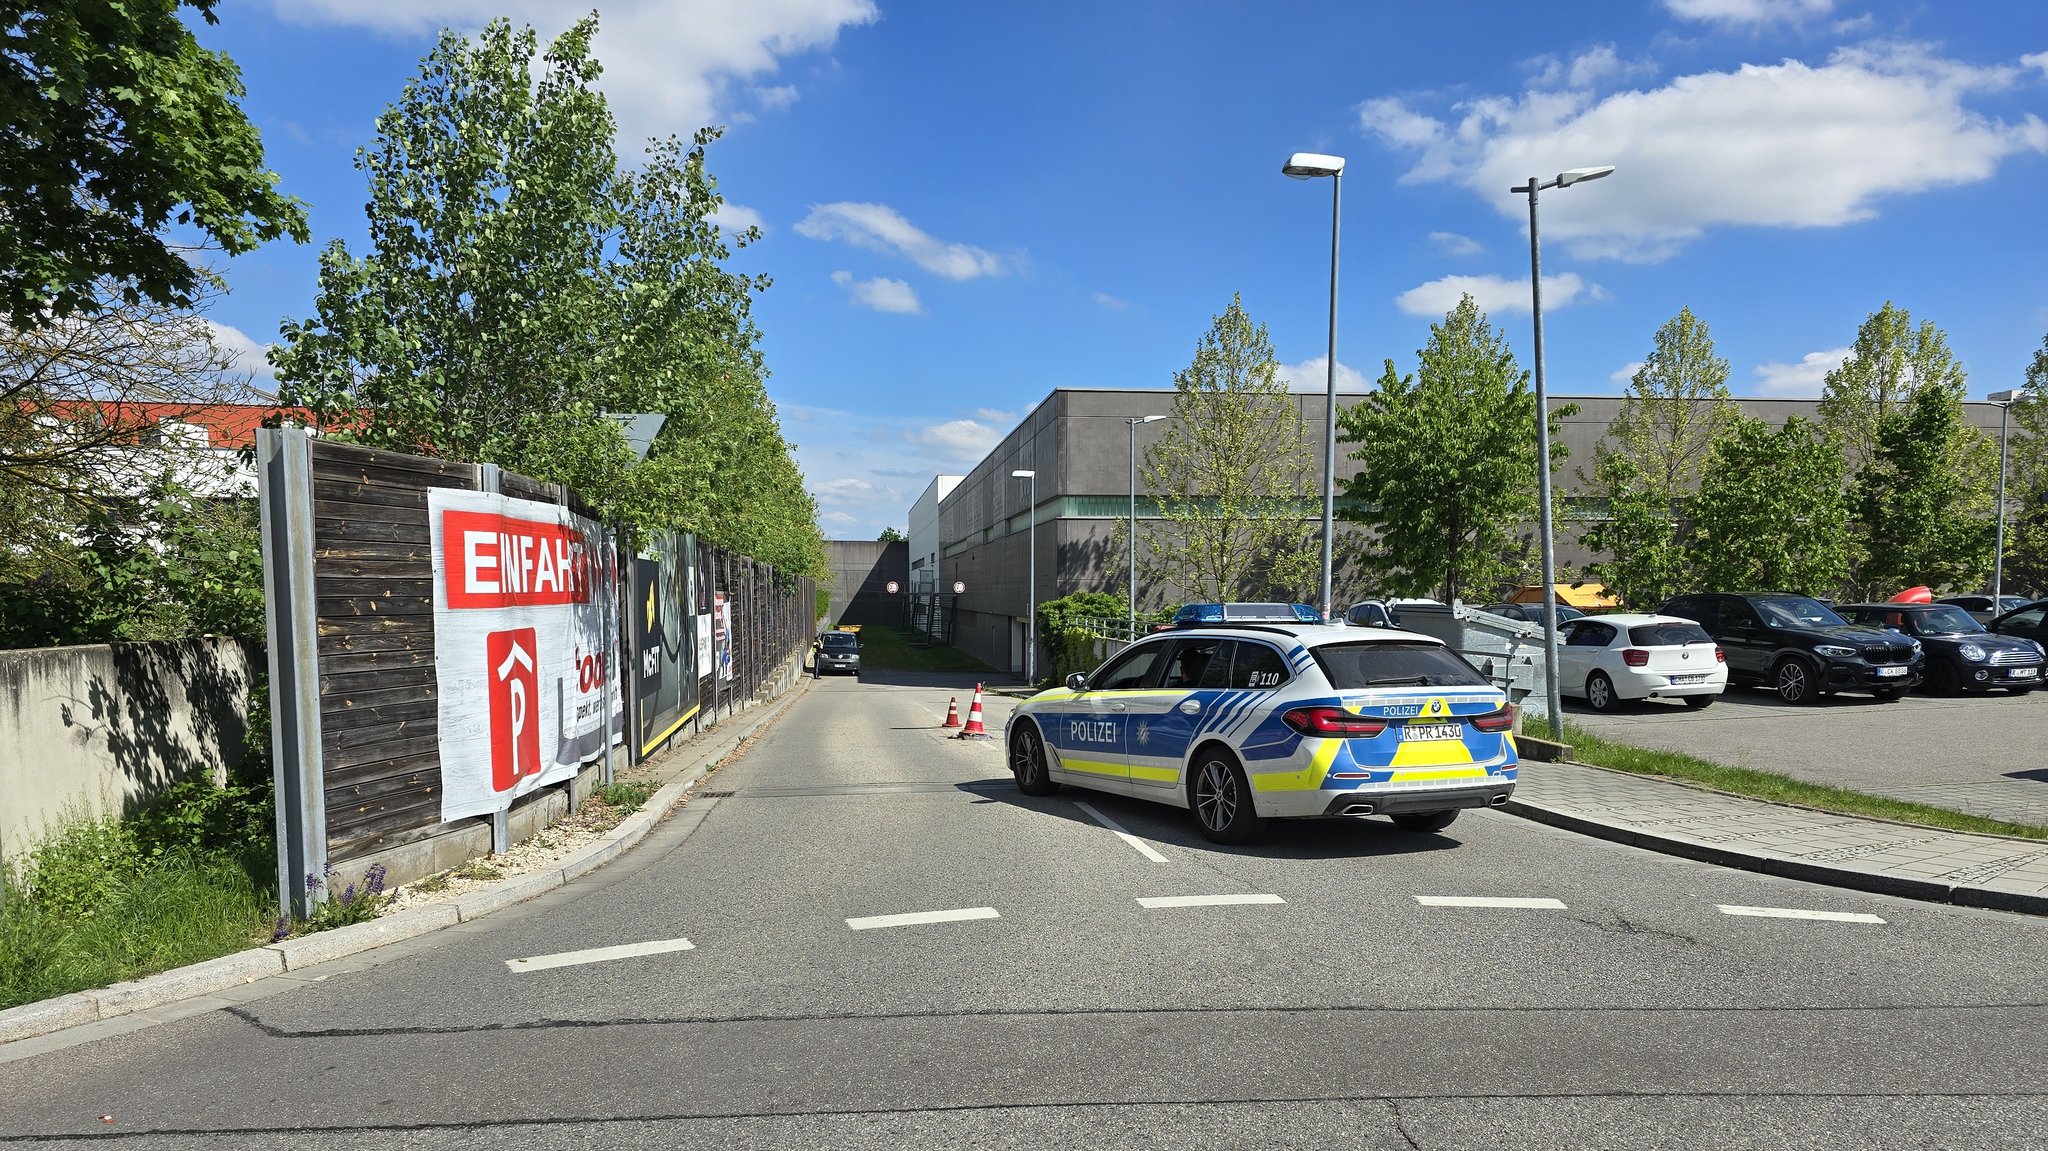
pixel 1986 755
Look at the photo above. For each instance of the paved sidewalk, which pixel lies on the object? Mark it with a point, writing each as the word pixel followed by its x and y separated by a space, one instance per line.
pixel 1795 842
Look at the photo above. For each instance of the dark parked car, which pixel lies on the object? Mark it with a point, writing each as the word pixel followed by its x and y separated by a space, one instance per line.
pixel 1531 612
pixel 1798 647
pixel 1961 655
pixel 1983 608
pixel 839 651
pixel 2029 622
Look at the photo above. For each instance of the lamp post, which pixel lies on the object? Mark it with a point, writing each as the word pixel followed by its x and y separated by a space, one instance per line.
pixel 1551 701
pixel 2005 401
pixel 1309 166
pixel 1131 426
pixel 1031 579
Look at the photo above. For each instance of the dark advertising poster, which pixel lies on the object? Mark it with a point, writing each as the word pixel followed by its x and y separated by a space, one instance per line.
pixel 665 636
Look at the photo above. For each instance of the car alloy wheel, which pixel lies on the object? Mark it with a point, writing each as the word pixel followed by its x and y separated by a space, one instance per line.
pixel 1794 681
pixel 1222 801
pixel 1600 693
pixel 1027 762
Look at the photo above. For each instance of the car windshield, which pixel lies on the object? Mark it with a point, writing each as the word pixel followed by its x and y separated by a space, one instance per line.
pixel 839 641
pixel 1667 634
pixel 1355 665
pixel 1947 621
pixel 1797 611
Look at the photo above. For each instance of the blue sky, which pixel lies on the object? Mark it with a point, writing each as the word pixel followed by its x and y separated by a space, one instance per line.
pixel 968 205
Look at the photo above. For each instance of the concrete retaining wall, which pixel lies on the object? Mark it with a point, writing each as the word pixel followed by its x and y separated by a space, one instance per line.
pixel 88 730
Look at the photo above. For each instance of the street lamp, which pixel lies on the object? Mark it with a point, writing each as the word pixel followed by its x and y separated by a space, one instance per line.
pixel 1551 701
pixel 1031 590
pixel 1309 166
pixel 2005 401
pixel 1131 426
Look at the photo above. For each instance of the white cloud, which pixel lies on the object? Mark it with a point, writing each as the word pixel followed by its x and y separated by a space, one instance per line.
pixel 881 294
pixel 1452 244
pixel 1786 145
pixel 670 66
pixel 966 441
pixel 1314 376
pixel 777 98
pixel 1494 294
pixel 848 490
pixel 2037 60
pixel 880 228
pixel 995 417
pixel 1750 12
pixel 245 354
pixel 1587 68
pixel 1625 374
pixel 733 217
pixel 1106 300
pixel 1802 380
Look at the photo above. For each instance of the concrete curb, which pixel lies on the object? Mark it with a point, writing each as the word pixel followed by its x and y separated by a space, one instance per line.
pixel 1875 882
pixel 32 1020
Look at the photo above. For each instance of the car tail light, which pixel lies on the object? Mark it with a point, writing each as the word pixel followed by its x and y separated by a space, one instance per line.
pixel 1494 721
pixel 1719 655
pixel 1332 722
pixel 1636 657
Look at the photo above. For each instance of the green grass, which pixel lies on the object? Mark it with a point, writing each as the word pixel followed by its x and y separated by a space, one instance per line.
pixel 177 909
pixel 630 796
pixel 884 648
pixel 1769 785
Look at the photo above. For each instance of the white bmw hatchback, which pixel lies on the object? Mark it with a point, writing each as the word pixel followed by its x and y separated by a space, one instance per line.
pixel 1245 723
pixel 1610 659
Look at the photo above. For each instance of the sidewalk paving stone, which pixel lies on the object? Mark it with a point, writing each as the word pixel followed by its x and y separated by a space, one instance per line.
pixel 1868 854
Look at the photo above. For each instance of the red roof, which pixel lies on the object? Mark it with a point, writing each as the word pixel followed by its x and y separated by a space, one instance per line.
pixel 227 425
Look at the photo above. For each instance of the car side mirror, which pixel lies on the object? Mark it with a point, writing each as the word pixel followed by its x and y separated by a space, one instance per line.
pixel 1077 682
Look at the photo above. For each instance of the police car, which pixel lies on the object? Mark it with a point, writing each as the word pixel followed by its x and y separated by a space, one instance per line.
pixel 1243 722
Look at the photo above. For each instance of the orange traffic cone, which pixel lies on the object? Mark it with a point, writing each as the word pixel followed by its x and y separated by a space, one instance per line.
pixel 952 712
pixel 974 730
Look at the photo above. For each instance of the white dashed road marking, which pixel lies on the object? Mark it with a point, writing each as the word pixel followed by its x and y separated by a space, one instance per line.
pixel 1795 913
pixel 599 954
pixel 867 923
pixel 1205 900
pixel 1487 901
pixel 1144 849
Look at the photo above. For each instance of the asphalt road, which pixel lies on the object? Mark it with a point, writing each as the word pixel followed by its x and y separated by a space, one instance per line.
pixel 1982 754
pixel 1337 1004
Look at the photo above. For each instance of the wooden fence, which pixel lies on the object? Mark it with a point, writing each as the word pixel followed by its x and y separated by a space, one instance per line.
pixel 349 583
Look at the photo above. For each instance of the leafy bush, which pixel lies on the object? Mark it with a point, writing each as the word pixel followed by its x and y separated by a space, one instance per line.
pixel 631 796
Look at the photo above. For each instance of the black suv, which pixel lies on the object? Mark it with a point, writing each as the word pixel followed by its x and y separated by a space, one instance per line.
pixel 1798 647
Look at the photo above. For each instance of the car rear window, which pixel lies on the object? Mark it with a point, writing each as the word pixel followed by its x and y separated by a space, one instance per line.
pixel 1667 634
pixel 1356 665
pixel 840 642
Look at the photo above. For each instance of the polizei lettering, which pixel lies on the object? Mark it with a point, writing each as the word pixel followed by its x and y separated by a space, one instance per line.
pixel 1091 730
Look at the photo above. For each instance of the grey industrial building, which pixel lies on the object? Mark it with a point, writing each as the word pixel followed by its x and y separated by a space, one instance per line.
pixel 1071 441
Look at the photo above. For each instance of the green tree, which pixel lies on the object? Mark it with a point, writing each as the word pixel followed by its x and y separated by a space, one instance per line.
pixel 1640 537
pixel 1889 362
pixel 475 326
pixel 1231 475
pixel 1649 463
pixel 1448 463
pixel 891 535
pixel 1924 519
pixel 2026 524
pixel 519 285
pixel 118 125
pixel 1770 515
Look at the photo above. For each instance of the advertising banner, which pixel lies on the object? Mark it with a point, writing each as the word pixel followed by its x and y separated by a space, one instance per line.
pixel 523 611
pixel 665 636
pixel 721 633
